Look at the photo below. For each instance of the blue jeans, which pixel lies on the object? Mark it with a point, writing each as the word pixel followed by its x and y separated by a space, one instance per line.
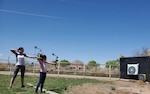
pixel 41 81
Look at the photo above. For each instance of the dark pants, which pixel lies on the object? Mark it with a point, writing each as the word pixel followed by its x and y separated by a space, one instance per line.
pixel 41 81
pixel 17 68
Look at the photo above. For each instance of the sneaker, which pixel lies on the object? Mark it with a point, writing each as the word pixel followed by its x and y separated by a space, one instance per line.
pixel 42 92
pixel 22 86
pixel 9 87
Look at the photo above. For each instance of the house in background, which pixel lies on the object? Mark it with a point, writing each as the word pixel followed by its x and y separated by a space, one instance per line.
pixel 76 66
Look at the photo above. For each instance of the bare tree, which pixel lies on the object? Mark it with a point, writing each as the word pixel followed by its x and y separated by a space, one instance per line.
pixel 78 62
pixel 142 52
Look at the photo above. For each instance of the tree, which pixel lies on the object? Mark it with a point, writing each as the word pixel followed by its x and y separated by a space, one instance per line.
pixel 142 52
pixel 64 60
pixel 78 62
pixel 92 63
pixel 113 63
pixel 93 66
pixel 64 63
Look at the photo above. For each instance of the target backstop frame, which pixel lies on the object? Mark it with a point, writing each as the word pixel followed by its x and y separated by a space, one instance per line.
pixel 143 67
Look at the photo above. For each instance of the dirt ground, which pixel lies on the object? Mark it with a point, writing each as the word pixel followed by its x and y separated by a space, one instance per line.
pixel 118 87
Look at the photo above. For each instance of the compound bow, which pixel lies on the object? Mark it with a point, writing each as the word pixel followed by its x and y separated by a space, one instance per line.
pixel 56 60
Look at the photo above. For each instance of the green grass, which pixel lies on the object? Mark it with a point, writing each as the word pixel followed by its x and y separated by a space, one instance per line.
pixel 4 83
pixel 58 85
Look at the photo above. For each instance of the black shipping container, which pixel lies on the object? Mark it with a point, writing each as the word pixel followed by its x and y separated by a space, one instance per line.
pixel 143 67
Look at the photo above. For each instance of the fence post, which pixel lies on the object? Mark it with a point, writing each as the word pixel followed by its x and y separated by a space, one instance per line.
pixel 33 67
pixel 110 71
pixel 9 65
pixel 58 68
pixel 84 70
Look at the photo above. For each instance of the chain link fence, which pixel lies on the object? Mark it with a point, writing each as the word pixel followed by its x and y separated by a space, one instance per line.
pixel 32 66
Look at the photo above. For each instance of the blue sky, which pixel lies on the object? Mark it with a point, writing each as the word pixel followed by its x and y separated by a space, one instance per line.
pixel 75 29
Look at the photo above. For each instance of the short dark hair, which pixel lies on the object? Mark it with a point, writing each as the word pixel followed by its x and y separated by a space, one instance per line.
pixel 20 48
pixel 43 56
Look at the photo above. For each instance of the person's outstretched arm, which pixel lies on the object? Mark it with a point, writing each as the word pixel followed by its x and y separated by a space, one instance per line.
pixel 52 63
pixel 30 56
pixel 14 51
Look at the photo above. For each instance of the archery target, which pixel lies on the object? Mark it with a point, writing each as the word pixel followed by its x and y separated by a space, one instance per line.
pixel 132 69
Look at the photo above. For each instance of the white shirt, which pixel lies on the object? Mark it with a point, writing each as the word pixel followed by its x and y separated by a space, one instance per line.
pixel 20 59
